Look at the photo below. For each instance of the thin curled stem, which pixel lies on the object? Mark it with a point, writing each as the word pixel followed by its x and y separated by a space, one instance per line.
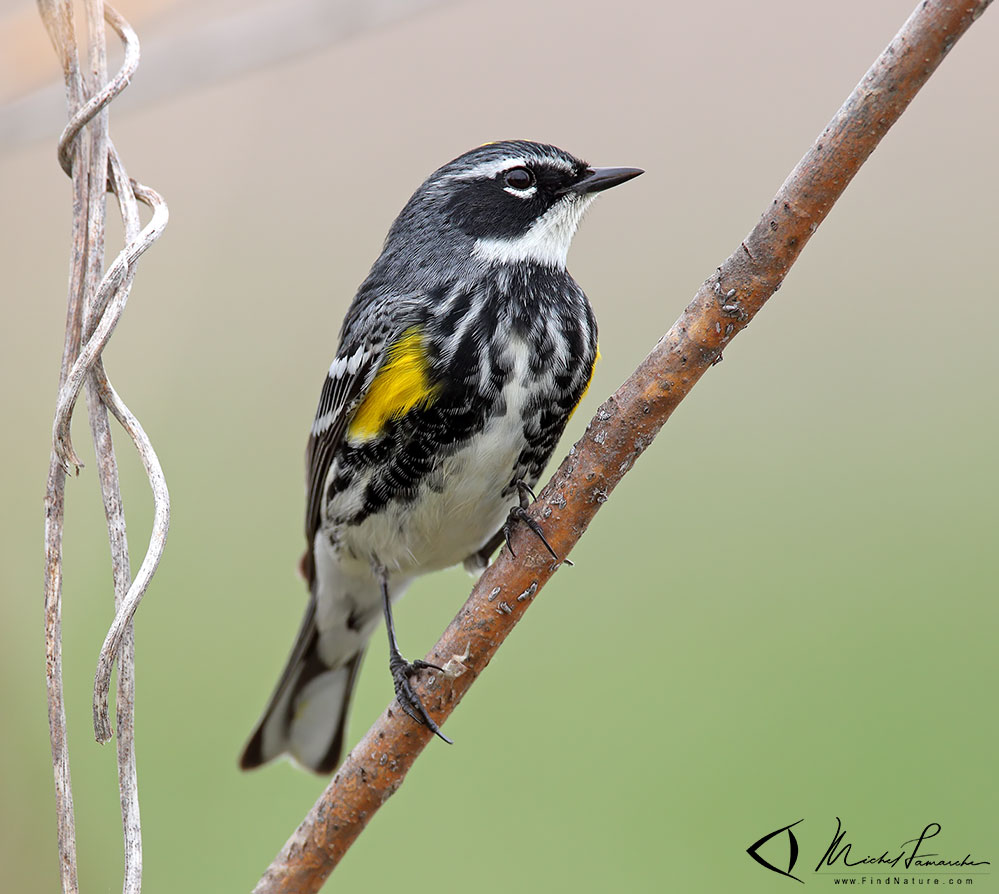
pixel 112 295
pixel 92 107
pixel 161 509
pixel 95 305
pixel 58 19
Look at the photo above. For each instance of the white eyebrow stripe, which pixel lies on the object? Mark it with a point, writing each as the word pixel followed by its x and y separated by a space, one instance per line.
pixel 489 169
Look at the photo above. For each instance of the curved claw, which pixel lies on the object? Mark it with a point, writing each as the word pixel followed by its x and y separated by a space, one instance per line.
pixel 420 664
pixel 518 513
pixel 408 700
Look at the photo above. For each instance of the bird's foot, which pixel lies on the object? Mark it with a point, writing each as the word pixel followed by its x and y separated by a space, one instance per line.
pixel 519 513
pixel 408 700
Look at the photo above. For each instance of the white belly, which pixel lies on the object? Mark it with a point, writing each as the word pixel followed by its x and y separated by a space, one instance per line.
pixel 442 527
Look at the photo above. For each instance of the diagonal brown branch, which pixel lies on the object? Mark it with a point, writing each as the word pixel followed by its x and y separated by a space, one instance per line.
pixel 621 430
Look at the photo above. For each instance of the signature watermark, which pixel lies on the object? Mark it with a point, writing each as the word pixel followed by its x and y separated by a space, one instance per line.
pixel 905 863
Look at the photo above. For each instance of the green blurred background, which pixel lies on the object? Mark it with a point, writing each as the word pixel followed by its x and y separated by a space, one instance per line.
pixel 786 611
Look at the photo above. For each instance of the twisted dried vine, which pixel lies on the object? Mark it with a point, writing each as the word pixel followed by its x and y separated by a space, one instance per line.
pixel 96 301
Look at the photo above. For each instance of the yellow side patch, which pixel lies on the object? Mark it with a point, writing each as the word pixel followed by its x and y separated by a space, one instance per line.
pixel 401 384
pixel 589 381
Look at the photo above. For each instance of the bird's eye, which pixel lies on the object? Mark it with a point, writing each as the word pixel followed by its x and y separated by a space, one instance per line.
pixel 519 178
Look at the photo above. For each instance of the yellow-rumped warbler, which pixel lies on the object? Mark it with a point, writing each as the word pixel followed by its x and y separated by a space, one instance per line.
pixel 461 358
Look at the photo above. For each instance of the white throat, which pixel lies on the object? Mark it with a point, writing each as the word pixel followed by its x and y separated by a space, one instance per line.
pixel 546 242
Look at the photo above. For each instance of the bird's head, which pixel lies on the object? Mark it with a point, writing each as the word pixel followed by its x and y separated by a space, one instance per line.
pixel 509 202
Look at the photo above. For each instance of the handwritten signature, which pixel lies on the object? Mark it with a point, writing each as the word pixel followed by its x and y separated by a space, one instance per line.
pixel 911 853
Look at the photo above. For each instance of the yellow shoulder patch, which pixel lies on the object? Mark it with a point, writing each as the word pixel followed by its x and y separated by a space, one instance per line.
pixel 401 384
pixel 589 381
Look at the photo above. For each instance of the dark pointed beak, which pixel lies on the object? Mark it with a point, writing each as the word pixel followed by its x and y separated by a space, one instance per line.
pixel 599 179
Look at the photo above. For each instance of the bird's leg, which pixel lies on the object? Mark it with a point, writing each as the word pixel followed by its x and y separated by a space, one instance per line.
pixel 519 513
pixel 402 670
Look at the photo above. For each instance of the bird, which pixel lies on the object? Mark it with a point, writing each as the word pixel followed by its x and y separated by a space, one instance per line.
pixel 460 360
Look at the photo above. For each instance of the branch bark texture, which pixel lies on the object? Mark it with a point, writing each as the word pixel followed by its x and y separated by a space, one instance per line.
pixel 618 434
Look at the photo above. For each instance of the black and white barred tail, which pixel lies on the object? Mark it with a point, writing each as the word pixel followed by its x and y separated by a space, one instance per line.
pixel 306 716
